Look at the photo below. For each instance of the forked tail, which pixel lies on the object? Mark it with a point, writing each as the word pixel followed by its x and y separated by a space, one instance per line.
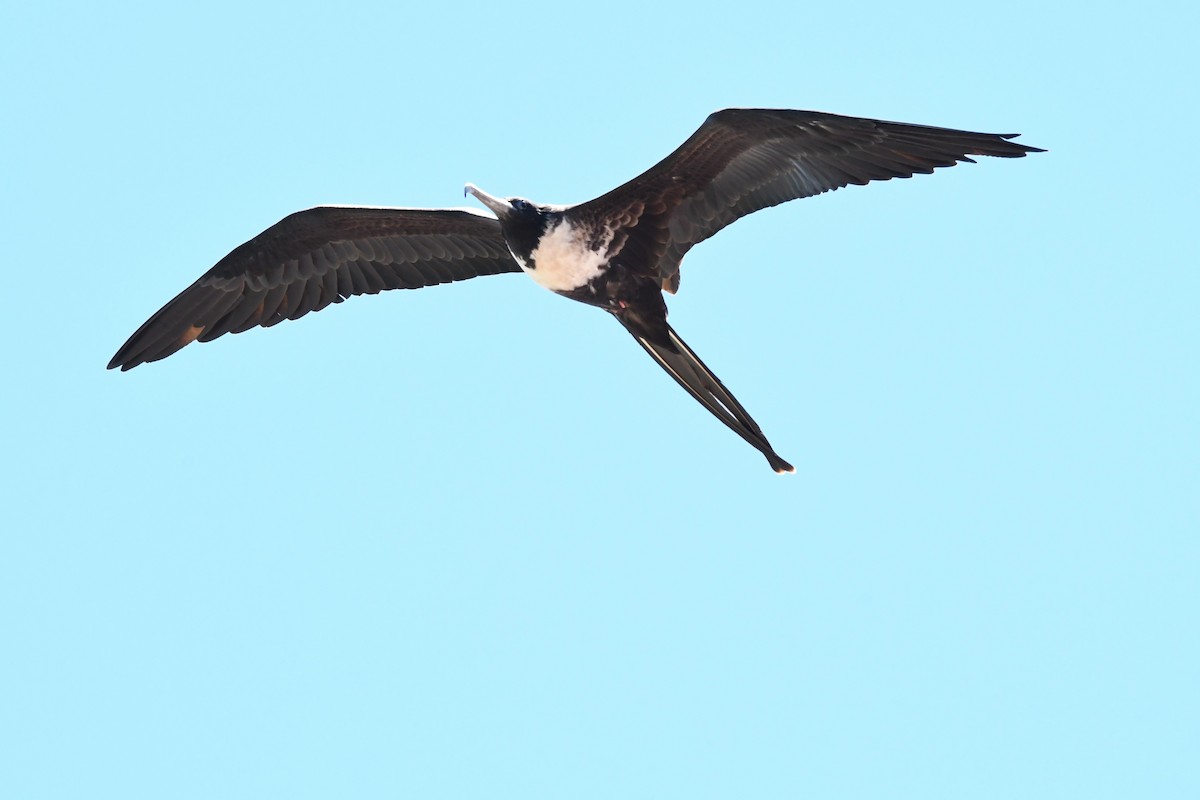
pixel 674 356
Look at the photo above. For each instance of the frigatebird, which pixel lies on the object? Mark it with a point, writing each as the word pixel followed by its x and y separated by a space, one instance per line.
pixel 619 252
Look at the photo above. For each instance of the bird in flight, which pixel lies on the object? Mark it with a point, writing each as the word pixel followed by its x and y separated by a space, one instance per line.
pixel 618 252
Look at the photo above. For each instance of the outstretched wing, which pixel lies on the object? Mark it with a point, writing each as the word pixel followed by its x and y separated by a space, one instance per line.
pixel 743 160
pixel 678 360
pixel 316 257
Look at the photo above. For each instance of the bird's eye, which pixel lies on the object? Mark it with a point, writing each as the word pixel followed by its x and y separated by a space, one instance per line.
pixel 519 204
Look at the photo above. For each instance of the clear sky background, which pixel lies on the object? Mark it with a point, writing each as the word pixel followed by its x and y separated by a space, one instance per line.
pixel 471 542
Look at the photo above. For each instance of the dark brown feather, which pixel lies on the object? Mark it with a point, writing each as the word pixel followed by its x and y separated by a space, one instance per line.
pixel 679 361
pixel 743 160
pixel 317 257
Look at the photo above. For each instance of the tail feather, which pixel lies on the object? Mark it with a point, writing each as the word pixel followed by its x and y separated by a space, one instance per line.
pixel 682 364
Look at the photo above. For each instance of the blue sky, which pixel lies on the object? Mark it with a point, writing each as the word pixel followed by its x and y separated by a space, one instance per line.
pixel 471 542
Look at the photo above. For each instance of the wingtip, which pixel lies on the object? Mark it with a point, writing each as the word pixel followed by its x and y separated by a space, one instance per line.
pixel 122 362
pixel 780 466
pixel 1026 149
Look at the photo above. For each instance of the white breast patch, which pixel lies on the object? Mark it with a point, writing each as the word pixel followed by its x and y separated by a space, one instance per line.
pixel 563 261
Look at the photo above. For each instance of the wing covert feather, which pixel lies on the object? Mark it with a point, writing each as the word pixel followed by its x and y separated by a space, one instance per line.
pixel 317 257
pixel 743 160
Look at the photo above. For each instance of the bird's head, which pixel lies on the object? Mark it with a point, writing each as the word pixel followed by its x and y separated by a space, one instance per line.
pixel 522 221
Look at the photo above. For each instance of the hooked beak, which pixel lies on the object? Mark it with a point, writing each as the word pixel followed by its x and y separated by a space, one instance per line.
pixel 501 208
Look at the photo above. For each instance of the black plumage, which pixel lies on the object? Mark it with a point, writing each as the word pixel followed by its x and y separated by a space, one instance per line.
pixel 316 257
pixel 617 252
pixel 744 160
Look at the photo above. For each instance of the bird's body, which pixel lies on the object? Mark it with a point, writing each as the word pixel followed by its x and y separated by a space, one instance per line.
pixel 564 260
pixel 618 252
